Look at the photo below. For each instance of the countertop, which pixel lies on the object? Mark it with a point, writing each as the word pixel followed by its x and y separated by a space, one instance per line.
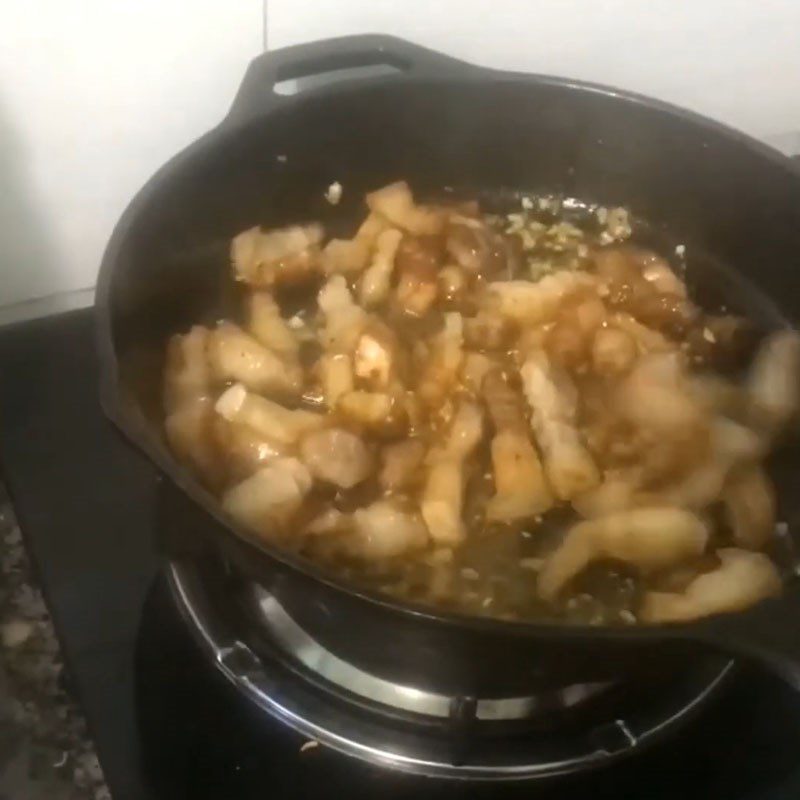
pixel 46 752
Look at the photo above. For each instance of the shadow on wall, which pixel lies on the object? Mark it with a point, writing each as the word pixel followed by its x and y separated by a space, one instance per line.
pixel 28 260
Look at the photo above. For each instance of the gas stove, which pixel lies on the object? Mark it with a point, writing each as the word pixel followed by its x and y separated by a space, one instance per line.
pixel 198 684
pixel 278 667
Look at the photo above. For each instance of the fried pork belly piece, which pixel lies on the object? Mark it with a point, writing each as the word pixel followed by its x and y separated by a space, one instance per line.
pixel 336 456
pixel 521 489
pixel 344 318
pixel 387 529
pixel 268 498
pixel 535 303
pixel 243 449
pixel 730 444
pixel 749 503
pixel 479 250
pixel 401 463
pixel 351 256
pixel 569 341
pixel 657 396
pixel 190 435
pixel 613 352
pixel 474 369
pixel 442 497
pixel 383 530
pixel 417 266
pixel 187 374
pixel 742 579
pixel 552 397
pixel 488 330
pixel 187 401
pixel 283 256
pixel 235 355
pixel 774 381
pixel 648 340
pixel 396 204
pixel 619 490
pixel 648 538
pixel 271 419
pixel 373 410
pixel 376 357
pixel 643 285
pixel 267 325
pixel 335 372
pixel 377 277
pixel 442 368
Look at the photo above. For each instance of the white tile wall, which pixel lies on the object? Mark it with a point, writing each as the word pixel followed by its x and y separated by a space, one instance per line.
pixel 736 60
pixel 94 96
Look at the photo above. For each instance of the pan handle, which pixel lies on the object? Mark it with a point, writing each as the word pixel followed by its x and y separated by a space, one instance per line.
pixel 768 633
pixel 257 93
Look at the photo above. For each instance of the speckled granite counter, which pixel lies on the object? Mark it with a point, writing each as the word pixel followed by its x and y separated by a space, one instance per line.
pixel 45 750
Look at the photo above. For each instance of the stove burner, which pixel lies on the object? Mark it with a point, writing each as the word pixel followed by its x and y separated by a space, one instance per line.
pixel 320 695
pixel 289 636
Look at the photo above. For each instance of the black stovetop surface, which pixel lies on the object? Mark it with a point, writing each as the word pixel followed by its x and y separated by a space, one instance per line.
pixel 165 724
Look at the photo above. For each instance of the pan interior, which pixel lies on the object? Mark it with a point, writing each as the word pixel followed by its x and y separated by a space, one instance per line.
pixel 696 185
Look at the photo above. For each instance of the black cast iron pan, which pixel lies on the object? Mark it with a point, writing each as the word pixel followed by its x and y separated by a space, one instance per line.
pixel 439 122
